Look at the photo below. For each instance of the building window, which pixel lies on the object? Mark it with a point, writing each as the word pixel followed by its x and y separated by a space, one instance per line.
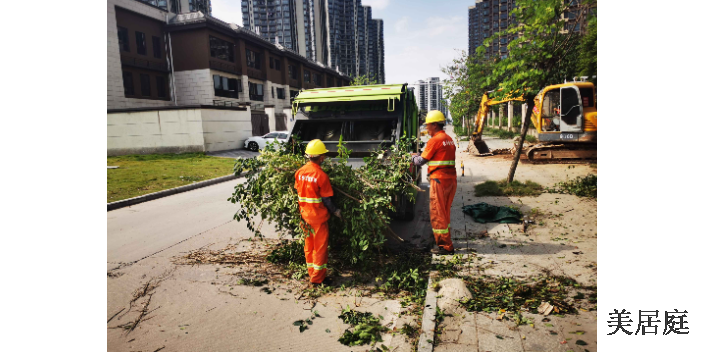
pixel 157 47
pixel 275 64
pixel 331 81
pixel 292 94
pixel 256 91
pixel 222 49
pixel 306 76
pixel 160 87
pixel 292 72
pixel 254 60
pixel 272 92
pixel 145 84
pixel 123 37
pixel 225 87
pixel 317 79
pixel 128 83
pixel 141 43
pixel 280 93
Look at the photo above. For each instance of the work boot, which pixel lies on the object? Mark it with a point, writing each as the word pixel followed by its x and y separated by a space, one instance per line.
pixel 327 282
pixel 441 251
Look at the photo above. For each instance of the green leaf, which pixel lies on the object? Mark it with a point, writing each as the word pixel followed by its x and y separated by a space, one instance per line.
pixel 580 342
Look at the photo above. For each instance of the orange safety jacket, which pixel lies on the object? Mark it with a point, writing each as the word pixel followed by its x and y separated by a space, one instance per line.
pixel 312 184
pixel 440 153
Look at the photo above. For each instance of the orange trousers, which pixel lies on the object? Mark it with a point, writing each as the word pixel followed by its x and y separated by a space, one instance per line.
pixel 442 193
pixel 316 250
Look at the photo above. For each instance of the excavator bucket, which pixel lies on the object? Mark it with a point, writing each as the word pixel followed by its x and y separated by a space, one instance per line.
pixel 479 148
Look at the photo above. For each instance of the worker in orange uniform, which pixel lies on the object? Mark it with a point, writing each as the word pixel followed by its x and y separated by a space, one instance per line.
pixel 315 203
pixel 439 154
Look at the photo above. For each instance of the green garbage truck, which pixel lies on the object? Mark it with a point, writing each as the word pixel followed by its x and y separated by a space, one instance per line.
pixel 366 117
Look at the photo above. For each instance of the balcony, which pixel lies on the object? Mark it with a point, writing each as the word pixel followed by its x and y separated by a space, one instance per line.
pixel 144 64
pixel 224 67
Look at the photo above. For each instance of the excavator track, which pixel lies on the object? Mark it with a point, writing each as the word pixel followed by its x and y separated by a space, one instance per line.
pixel 561 153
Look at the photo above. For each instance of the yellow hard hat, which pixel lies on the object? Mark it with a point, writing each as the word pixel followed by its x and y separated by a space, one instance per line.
pixel 435 116
pixel 316 147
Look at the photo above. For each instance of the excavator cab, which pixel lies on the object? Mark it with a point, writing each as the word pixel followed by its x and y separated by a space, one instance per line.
pixel 566 112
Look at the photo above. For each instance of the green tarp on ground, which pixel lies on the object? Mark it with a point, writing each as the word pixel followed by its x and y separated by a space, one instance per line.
pixel 483 213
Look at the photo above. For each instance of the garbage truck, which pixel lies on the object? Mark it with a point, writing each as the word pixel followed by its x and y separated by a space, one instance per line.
pixel 366 117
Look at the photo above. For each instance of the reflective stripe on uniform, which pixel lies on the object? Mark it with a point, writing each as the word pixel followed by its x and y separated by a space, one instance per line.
pixel 317 267
pixel 441 162
pixel 310 200
pixel 441 230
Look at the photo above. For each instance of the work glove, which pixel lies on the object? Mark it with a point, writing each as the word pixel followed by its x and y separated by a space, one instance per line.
pixel 338 213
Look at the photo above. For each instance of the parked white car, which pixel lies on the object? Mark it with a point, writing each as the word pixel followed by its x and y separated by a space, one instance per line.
pixel 259 142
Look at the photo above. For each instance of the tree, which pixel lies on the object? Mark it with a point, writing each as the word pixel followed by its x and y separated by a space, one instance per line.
pixel 363 80
pixel 587 52
pixel 541 53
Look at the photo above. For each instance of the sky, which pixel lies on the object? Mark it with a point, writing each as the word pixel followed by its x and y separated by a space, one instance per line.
pixel 420 36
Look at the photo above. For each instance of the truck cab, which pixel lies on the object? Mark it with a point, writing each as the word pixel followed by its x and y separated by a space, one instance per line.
pixel 366 117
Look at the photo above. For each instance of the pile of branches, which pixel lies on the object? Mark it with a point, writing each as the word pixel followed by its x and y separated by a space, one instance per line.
pixel 364 195
pixel 227 255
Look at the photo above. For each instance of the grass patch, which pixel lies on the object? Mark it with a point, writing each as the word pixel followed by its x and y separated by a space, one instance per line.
pixel 142 174
pixel 502 188
pixel 581 187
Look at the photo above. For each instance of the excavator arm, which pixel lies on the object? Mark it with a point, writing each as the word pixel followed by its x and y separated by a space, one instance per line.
pixel 478 147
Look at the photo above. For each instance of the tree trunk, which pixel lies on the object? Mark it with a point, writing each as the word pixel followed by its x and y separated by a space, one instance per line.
pixel 519 148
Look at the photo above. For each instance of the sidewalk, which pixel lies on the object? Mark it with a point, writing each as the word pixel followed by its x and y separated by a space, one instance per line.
pixel 562 241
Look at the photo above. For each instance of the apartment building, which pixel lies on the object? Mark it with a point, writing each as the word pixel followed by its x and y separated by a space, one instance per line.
pixel 341 34
pixel 429 95
pixel 182 6
pixel 163 60
pixel 188 59
pixel 487 17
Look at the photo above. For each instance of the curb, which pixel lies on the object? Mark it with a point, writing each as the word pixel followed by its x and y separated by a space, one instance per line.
pixel 427 330
pixel 167 192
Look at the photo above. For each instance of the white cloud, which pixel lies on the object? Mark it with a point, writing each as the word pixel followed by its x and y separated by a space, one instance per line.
pixel 376 4
pixel 229 11
pixel 402 25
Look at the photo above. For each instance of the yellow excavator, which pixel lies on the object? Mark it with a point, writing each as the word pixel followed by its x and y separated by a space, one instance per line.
pixel 565 118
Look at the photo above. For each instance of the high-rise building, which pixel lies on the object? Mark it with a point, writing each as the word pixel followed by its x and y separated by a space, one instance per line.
pixel 429 95
pixel 337 33
pixel 182 6
pixel 376 51
pixel 487 17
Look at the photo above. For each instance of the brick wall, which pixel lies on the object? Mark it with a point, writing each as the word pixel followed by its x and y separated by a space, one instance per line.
pixel 194 87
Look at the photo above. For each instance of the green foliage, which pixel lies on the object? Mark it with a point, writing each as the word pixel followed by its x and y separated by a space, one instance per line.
pixel 288 251
pixel 364 196
pixel 587 51
pixel 365 329
pixel 502 188
pixel 406 271
pixel 492 295
pixel 363 80
pixel 581 187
